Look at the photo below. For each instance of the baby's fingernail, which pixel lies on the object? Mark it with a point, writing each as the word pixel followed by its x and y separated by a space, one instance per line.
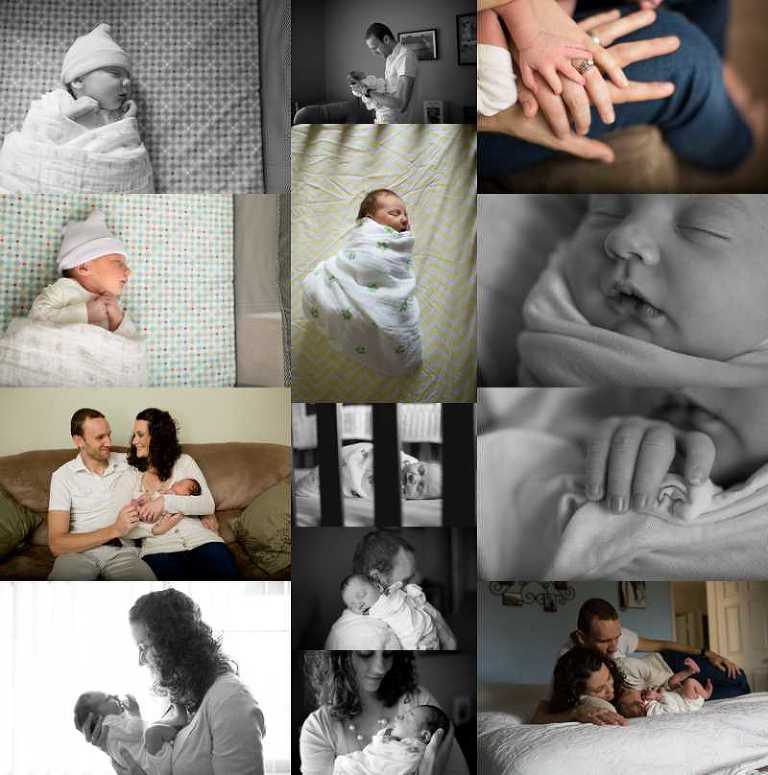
pixel 594 493
pixel 697 476
pixel 618 504
pixel 639 501
pixel 611 117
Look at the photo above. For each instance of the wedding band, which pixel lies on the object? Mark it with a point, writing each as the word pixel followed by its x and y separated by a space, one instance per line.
pixel 582 65
pixel 596 40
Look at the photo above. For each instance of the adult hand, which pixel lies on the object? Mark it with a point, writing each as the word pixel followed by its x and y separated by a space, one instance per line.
pixel 574 104
pixel 628 457
pixel 94 733
pixel 721 663
pixel 211 522
pixel 133 768
pixel 435 759
pixel 127 518
pixel 132 706
pixel 598 716
pixel 153 509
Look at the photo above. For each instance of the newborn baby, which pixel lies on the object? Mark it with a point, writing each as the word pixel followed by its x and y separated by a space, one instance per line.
pixel 396 750
pixel 363 85
pixel 419 480
pixel 689 697
pixel 362 298
pixel 150 745
pixel 83 135
pixel 94 274
pixel 402 609
pixel 654 290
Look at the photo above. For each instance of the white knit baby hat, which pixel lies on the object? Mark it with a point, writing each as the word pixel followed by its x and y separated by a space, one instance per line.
pixel 85 240
pixel 92 51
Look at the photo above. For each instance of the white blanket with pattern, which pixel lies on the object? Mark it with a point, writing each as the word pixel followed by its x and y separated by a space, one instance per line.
pixel 37 354
pixel 54 154
pixel 363 299
pixel 382 757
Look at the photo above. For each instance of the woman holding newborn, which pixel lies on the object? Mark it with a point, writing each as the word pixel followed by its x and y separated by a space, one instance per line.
pixel 192 549
pixel 358 693
pixel 225 725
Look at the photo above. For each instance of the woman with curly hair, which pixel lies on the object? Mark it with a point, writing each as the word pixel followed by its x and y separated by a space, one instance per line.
pixel 358 693
pixel 584 675
pixel 224 726
pixel 192 548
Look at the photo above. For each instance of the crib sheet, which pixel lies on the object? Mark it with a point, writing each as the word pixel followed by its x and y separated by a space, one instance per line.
pixel 180 294
pixel 433 169
pixel 196 79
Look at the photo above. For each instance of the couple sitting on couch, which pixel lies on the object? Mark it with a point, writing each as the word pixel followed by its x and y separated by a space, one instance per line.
pixel 133 517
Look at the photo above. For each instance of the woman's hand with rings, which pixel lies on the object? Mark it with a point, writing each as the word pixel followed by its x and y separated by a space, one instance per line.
pixel 435 759
pixel 152 510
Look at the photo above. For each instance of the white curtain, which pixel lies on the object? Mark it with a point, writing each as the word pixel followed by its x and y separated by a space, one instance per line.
pixel 59 639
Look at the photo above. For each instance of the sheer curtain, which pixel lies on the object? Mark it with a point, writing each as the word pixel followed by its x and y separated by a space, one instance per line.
pixel 59 639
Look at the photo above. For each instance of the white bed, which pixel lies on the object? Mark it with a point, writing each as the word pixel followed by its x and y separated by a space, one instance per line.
pixel 727 737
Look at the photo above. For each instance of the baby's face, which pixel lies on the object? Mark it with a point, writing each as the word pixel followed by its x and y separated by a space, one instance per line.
pixel 391 211
pixel 632 704
pixel 103 704
pixel 108 274
pixel 109 86
pixel 359 595
pixel 409 725
pixel 684 272
pixel 184 487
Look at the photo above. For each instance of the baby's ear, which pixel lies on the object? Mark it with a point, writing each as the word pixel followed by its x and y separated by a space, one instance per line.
pixel 426 736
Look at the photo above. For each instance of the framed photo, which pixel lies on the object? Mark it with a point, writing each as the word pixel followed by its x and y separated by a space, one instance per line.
pixel 422 42
pixel 466 38
pixel 632 594
pixel 434 112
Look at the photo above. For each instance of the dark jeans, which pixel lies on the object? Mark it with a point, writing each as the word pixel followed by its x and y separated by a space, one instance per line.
pixel 723 685
pixel 699 121
pixel 209 561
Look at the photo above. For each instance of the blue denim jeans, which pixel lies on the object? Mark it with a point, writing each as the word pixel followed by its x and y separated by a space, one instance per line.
pixel 209 561
pixel 724 686
pixel 699 121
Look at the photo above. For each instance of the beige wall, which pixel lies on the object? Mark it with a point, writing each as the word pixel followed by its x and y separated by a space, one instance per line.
pixel 39 418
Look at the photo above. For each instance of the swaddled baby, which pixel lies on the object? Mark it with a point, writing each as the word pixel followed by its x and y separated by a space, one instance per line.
pixel 362 298
pixel 363 85
pixel 396 750
pixel 401 608
pixel 654 290
pixel 151 746
pixel 83 135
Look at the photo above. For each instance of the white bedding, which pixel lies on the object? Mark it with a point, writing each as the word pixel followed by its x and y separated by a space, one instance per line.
pixel 726 737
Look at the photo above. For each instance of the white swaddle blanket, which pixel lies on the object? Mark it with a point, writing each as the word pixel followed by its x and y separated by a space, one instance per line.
pixel 37 354
pixel 126 731
pixel 402 609
pixel 363 299
pixel 536 521
pixel 382 757
pixel 560 348
pixel 54 154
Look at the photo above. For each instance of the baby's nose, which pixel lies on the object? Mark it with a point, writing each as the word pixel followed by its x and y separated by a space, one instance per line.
pixel 630 241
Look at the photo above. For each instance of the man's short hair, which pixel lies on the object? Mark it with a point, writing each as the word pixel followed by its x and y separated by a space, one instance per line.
pixel 377 550
pixel 79 418
pixel 379 30
pixel 595 608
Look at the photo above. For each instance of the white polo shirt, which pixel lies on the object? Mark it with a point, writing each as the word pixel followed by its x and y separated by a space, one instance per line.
pixel 402 61
pixel 92 500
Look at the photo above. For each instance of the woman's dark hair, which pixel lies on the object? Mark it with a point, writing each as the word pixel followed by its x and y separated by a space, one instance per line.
pixel 164 447
pixel 331 677
pixel 186 657
pixel 572 672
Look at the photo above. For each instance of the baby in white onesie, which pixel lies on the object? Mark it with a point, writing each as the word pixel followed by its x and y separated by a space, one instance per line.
pixel 363 85
pixel 401 608
pixel 396 750
pixel 94 274
pixel 151 746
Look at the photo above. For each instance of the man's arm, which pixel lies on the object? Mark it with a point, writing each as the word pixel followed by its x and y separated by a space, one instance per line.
pixel 61 541
pixel 721 663
pixel 400 99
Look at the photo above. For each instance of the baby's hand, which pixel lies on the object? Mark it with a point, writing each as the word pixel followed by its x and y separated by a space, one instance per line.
pixel 549 54
pixel 211 522
pixel 82 106
pixel 98 310
pixel 114 311
pixel 165 523
pixel 129 109
pixel 630 456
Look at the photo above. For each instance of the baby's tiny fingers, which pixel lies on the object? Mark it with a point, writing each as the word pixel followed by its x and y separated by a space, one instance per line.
pixel 657 451
pixel 597 458
pixel 622 463
pixel 699 452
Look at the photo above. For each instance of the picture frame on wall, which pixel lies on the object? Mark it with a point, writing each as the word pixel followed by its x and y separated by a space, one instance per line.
pixel 422 42
pixel 633 594
pixel 434 112
pixel 466 38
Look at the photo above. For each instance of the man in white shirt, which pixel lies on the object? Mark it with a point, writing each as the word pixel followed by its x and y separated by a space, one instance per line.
pixel 598 627
pixel 85 517
pixel 397 105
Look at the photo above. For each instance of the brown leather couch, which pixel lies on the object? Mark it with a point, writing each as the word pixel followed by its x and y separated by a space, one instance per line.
pixel 237 473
